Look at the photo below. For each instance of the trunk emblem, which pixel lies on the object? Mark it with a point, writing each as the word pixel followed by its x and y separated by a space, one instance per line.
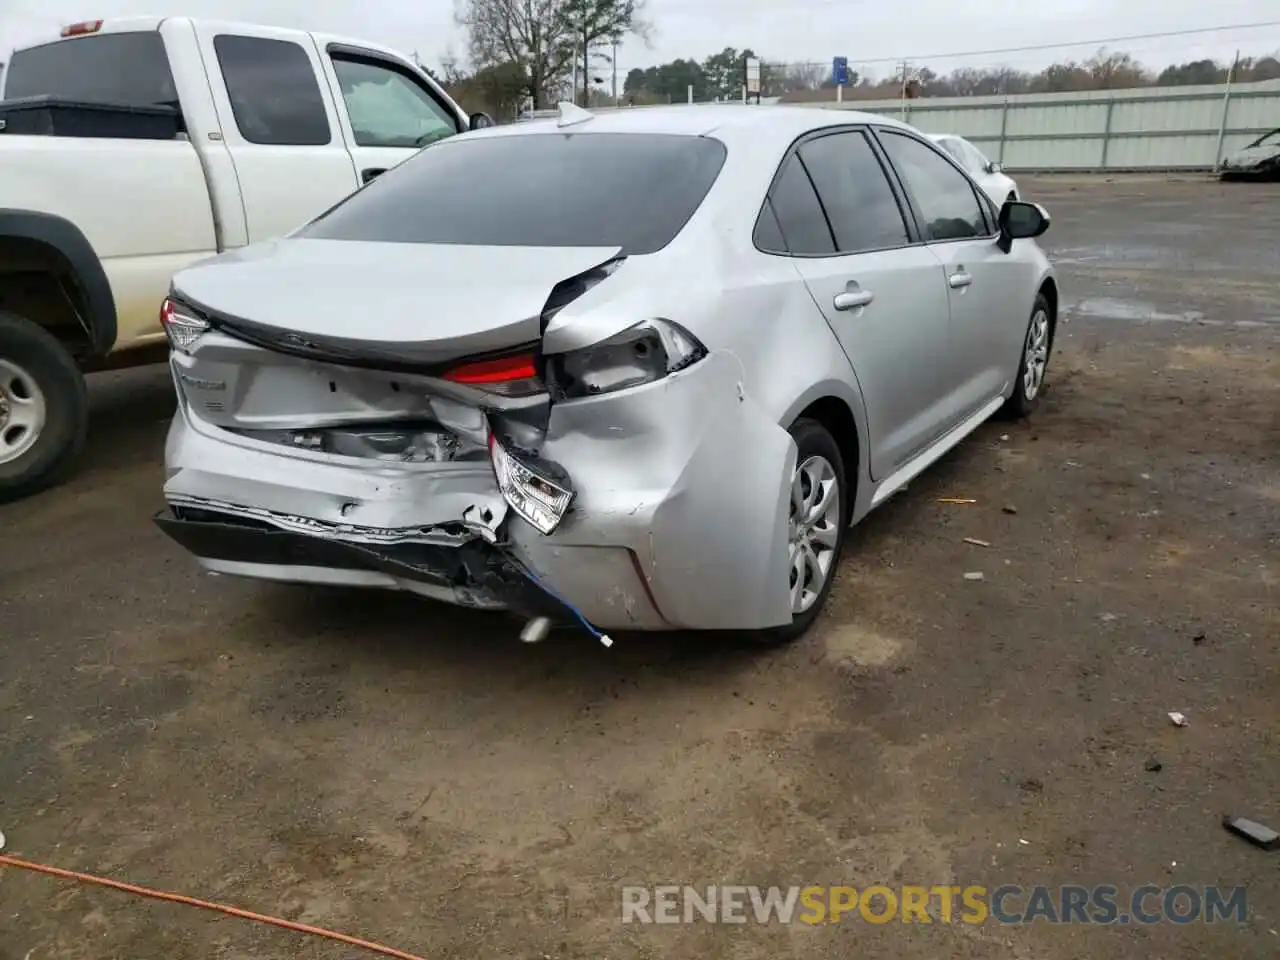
pixel 201 384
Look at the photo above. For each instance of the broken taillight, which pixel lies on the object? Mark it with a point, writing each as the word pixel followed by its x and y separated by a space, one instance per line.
pixel 644 353
pixel 181 326
pixel 529 487
pixel 510 376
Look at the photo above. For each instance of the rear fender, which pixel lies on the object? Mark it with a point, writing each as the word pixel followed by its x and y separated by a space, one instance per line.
pixel 725 526
pixel 692 477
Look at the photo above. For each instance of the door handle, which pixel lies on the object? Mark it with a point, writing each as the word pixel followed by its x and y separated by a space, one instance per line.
pixel 852 299
pixel 368 174
pixel 960 279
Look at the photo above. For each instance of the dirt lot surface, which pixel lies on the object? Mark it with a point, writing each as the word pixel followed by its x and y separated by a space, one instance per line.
pixel 412 774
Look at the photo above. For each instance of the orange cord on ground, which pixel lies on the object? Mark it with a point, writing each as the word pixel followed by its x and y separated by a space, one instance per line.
pixel 7 861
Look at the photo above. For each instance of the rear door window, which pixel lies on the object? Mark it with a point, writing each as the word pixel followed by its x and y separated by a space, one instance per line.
pixel 126 69
pixel 799 213
pixel 629 190
pixel 274 94
pixel 860 205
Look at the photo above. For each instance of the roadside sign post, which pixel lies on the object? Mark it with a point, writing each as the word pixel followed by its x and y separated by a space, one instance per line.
pixel 840 76
pixel 751 76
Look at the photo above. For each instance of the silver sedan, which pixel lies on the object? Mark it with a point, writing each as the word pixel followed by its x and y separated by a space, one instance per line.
pixel 640 370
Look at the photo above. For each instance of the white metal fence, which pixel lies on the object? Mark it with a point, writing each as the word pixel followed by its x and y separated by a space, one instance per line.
pixel 1151 128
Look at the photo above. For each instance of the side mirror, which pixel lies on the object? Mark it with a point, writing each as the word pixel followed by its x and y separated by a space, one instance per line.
pixel 479 121
pixel 994 167
pixel 1020 220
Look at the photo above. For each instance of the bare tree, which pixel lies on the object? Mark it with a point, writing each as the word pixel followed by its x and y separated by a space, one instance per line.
pixel 1115 71
pixel 543 37
pixel 524 32
pixel 596 22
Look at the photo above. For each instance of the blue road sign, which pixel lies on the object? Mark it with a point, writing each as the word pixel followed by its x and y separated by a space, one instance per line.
pixel 840 71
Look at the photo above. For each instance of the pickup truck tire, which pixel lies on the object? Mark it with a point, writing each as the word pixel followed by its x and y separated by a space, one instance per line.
pixel 44 409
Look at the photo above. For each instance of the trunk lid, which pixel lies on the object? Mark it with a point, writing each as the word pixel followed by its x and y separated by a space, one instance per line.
pixel 399 303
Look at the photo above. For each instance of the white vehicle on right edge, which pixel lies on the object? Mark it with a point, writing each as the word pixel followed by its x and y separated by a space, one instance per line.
pixel 990 177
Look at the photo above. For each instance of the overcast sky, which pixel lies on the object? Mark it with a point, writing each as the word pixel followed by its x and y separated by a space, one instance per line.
pixel 778 30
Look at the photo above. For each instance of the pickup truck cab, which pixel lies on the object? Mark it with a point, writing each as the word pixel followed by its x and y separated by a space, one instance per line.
pixel 200 137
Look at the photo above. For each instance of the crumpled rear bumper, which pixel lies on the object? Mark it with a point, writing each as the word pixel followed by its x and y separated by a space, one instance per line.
pixel 472 574
pixel 679 519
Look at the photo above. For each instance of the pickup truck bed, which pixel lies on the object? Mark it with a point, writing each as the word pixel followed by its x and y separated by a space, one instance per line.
pixel 60 117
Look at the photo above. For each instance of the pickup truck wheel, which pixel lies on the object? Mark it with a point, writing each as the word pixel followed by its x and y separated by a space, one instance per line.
pixel 44 410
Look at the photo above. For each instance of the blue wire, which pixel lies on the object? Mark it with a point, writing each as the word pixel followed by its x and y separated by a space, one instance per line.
pixel 551 593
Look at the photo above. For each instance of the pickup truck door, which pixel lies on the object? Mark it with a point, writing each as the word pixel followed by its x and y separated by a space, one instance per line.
pixel 388 110
pixel 280 124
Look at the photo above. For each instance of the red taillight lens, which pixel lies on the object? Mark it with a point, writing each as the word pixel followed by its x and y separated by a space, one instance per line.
pixel 512 376
pixel 82 28
pixel 182 329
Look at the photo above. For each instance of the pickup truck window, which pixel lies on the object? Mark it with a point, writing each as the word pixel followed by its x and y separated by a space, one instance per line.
pixel 387 109
pixel 273 90
pixel 125 69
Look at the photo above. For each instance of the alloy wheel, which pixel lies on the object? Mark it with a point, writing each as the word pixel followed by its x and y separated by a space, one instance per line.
pixel 1036 357
pixel 814 530
pixel 22 411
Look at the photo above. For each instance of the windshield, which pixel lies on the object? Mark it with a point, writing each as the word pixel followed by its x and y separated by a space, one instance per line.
pixel 1272 139
pixel 976 160
pixel 628 190
pixel 950 145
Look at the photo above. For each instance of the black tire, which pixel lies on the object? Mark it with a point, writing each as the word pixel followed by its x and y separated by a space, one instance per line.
pixel 813 439
pixel 35 351
pixel 1019 403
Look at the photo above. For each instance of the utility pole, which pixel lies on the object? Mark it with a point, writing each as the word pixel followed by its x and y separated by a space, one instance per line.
pixel 586 65
pixel 1226 108
pixel 905 67
pixel 615 71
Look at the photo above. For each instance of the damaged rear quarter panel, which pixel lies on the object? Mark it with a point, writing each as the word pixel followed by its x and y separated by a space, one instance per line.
pixel 691 476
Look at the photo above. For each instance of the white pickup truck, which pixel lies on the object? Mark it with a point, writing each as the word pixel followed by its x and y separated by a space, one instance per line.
pixel 131 148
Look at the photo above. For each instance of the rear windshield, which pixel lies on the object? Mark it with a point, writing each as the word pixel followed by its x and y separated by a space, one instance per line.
pixel 629 190
pixel 128 69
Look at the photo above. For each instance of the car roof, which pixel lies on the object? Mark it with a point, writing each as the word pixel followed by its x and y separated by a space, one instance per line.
pixel 723 121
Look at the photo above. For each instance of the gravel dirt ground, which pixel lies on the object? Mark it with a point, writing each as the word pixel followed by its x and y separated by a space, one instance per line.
pixel 412 774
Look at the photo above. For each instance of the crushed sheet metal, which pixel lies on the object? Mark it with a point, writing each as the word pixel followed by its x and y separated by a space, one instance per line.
pixel 338 531
pixel 484 521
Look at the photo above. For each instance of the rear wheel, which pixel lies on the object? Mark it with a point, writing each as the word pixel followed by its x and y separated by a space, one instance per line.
pixel 817 512
pixel 43 408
